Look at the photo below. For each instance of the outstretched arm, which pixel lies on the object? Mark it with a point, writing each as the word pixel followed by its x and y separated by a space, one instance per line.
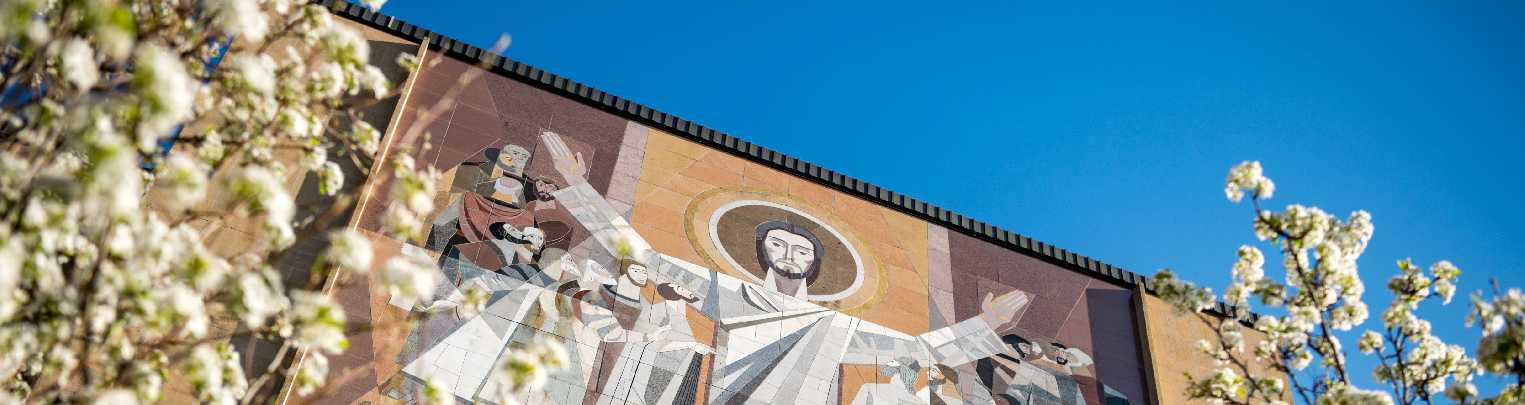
pixel 608 327
pixel 591 210
pixel 974 338
pixel 586 205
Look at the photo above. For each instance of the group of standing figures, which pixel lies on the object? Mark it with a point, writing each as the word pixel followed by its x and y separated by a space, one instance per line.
pixel 642 327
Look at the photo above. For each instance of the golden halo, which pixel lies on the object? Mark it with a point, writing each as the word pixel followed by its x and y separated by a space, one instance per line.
pixel 719 224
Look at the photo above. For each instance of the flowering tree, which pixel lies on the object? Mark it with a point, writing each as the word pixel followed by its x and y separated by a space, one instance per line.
pixel 1320 296
pixel 106 283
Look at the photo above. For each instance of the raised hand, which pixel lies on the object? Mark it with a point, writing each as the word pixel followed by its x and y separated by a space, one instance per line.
pixel 998 311
pixel 569 164
pixel 569 269
pixel 594 274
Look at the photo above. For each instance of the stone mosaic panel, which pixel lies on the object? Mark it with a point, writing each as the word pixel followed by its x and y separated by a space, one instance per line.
pixel 677 273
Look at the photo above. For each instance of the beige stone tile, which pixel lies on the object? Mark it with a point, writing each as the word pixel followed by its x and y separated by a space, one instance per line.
pixel 727 162
pixel 654 217
pixel 643 190
pixel 709 173
pixel 811 192
pixel 682 146
pixel 664 198
pixel 687 186
pixel 911 232
pixel 665 162
pixel 673 244
pixel 890 254
pixel 773 179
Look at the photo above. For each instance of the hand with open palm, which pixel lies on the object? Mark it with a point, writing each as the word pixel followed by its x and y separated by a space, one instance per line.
pixel 568 163
pixel 997 311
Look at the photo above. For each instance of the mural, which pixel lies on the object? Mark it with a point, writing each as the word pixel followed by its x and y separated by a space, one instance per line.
pixel 675 273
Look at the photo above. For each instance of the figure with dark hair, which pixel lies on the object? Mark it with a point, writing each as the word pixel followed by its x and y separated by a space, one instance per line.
pixel 615 309
pixel 790 255
pixel 944 388
pixel 676 292
pixel 636 332
pixel 497 200
pixel 1028 373
pixel 683 362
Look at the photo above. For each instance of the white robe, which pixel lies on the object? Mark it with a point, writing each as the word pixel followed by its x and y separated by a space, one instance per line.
pixel 774 348
pixel 464 359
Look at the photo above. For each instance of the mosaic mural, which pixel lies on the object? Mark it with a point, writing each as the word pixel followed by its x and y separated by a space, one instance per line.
pixel 676 273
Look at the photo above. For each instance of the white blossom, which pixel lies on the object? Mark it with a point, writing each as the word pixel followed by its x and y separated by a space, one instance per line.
pixel 437 392
pixel 312 373
pixel 414 190
pixel 345 46
pixel 240 18
pixel 1251 264
pixel 408 275
pixel 319 323
pixel 259 300
pixel 1323 292
pixel 260 189
pixel 12 254
pixel 372 80
pixel 1181 294
pixel 473 299
pixel 366 137
pixel 76 59
pixel 114 40
pixel 1370 342
pixel 216 375
pixel 402 222
pixel 117 397
pixel 519 372
pixel 89 262
pixel 189 312
pixel 255 71
pixel 1344 394
pixel 349 249
pixel 184 180
pixel 166 89
pixel 407 61
pixel 330 178
pixel 328 79
pixel 1445 289
pixel 1248 176
pixel 1348 316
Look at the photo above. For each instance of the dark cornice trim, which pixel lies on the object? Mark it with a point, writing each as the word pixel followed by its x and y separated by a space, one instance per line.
pixel 693 131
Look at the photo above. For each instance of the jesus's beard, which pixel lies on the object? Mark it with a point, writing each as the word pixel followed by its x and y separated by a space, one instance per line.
pixel 787 270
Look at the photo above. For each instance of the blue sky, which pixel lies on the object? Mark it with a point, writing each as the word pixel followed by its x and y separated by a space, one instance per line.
pixel 1107 129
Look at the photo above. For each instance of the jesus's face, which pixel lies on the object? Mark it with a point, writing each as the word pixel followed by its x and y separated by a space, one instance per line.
pixel 788 253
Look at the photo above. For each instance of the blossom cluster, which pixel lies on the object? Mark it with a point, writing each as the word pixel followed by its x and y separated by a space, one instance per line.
pixel 1502 348
pixel 1319 295
pixel 524 371
pixel 132 130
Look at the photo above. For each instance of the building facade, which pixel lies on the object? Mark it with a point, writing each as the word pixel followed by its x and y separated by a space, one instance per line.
pixel 679 264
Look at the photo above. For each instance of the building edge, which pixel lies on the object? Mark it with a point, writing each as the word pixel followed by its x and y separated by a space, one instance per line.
pixel 695 132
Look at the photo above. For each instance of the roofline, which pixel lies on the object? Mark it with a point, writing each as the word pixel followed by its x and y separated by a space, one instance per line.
pixel 672 124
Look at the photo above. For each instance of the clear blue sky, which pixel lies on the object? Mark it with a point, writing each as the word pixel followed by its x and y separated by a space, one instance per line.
pixel 1107 130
